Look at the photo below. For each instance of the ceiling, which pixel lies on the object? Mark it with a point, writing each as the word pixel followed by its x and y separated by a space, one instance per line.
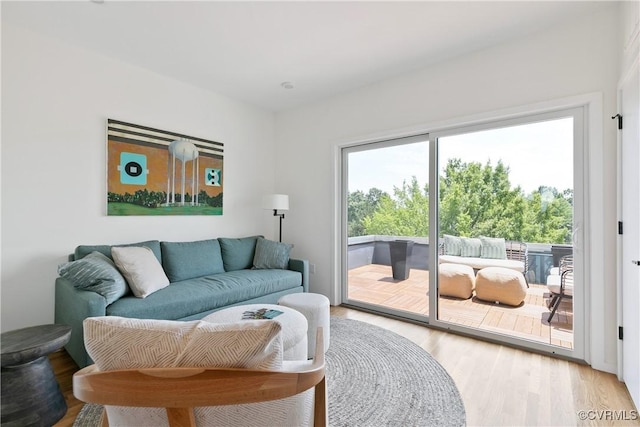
pixel 246 50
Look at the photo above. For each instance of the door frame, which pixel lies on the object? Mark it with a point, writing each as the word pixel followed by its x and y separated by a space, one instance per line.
pixel 344 153
pixel 579 214
pixel 632 72
pixel 597 326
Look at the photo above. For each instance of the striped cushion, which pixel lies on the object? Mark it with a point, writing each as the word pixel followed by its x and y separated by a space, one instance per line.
pixel 493 248
pixel 96 272
pixel 452 245
pixel 122 343
pixel 470 247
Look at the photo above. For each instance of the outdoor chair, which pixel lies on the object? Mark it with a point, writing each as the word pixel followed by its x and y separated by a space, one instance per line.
pixel 562 287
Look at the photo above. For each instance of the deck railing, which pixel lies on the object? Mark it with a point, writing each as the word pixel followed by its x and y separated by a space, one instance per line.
pixel 374 249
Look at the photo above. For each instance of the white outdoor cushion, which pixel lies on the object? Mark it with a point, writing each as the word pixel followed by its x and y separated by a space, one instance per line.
pixel 122 343
pixel 141 268
pixel 480 263
pixel 456 280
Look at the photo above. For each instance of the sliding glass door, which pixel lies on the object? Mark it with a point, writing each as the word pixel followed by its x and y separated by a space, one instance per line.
pixel 387 226
pixel 508 212
pixel 475 229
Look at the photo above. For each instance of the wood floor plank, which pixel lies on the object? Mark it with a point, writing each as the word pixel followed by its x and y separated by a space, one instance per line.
pixel 374 284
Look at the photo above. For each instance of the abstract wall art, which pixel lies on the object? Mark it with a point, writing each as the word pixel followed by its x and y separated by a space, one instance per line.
pixel 156 172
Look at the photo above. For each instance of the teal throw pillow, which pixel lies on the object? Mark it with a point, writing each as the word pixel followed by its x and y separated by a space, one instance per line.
pixel 237 254
pixel 470 247
pixel 97 273
pixel 271 255
pixel 186 260
pixel 452 245
pixel 494 248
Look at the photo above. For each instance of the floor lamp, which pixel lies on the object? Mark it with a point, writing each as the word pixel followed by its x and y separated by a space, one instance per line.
pixel 277 202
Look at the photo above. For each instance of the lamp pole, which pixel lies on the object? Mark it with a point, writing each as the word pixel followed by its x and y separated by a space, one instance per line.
pixel 275 213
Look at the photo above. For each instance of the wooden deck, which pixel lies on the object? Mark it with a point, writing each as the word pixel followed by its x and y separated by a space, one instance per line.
pixel 375 284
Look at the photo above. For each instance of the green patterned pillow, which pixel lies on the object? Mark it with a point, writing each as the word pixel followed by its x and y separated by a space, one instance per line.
pixel 97 273
pixel 270 254
pixel 494 248
pixel 452 245
pixel 470 247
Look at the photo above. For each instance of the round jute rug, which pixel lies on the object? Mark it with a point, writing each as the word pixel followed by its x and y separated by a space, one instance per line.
pixel 375 378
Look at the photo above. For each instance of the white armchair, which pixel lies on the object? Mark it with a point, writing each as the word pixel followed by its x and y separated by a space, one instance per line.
pixel 156 372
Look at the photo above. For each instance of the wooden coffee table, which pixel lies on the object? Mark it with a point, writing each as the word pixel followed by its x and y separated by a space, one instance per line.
pixel 30 392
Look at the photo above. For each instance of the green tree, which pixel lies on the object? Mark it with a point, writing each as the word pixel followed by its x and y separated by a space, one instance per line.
pixel 475 200
pixel 549 217
pixel 478 200
pixel 359 206
pixel 406 214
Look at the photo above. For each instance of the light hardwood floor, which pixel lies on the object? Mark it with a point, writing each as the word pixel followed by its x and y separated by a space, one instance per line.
pixel 500 386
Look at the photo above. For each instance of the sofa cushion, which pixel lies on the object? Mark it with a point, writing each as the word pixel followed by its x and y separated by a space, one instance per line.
pixel 141 268
pixel 470 247
pixel 96 272
pixel 186 260
pixel 494 248
pixel 270 254
pixel 202 294
pixel 237 254
pixel 452 245
pixel 480 263
pixel 84 250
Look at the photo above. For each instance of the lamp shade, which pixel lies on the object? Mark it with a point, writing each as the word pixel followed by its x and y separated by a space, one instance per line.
pixel 276 202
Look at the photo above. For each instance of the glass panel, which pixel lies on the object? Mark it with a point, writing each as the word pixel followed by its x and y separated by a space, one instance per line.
pixel 387 226
pixel 505 230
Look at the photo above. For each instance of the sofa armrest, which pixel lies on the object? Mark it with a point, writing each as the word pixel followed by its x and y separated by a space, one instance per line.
pixel 301 265
pixel 72 306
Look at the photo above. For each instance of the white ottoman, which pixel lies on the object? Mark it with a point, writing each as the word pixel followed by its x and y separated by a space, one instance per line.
pixel 294 326
pixel 315 308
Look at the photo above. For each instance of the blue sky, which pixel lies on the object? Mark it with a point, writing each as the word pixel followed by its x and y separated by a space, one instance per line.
pixel 536 154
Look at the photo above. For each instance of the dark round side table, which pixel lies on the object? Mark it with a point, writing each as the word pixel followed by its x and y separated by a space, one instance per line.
pixel 30 393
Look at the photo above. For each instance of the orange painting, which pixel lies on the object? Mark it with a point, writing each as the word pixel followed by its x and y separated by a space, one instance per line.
pixel 155 172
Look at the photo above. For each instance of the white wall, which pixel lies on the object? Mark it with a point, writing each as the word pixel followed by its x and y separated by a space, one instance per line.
pixel 578 58
pixel 55 102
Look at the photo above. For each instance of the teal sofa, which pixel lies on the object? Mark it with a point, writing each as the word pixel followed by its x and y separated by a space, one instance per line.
pixel 205 276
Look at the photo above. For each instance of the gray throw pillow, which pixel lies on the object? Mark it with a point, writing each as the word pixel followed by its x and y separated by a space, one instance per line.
pixel 271 255
pixel 97 273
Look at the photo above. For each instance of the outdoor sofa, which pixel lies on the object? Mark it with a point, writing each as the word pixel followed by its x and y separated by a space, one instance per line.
pixel 482 252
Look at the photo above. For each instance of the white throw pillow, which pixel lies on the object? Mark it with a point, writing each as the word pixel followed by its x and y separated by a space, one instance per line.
pixel 122 343
pixel 141 268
